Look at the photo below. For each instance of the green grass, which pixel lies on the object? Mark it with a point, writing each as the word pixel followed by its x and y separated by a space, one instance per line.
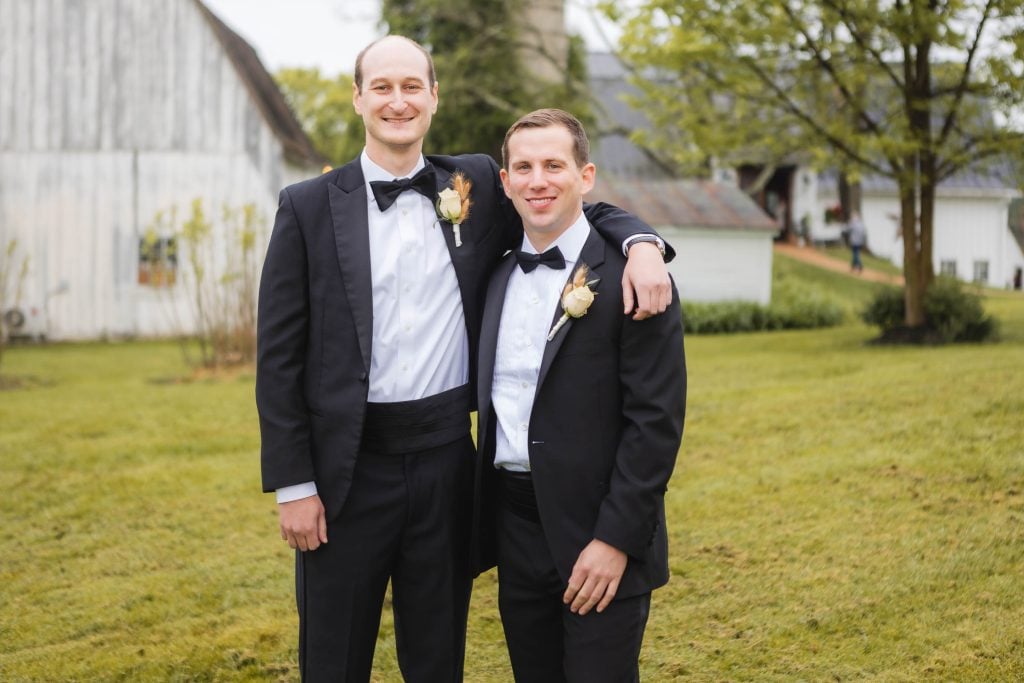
pixel 839 511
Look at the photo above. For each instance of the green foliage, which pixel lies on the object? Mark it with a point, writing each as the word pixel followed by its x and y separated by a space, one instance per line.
pixel 324 108
pixel 13 273
pixel 483 84
pixel 838 511
pixel 954 314
pixel 219 278
pixel 792 307
pixel 910 90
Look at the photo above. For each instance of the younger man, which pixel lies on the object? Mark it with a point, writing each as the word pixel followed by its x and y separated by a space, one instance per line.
pixel 581 416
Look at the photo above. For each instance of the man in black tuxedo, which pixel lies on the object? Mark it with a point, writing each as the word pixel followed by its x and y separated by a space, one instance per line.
pixel 581 417
pixel 369 312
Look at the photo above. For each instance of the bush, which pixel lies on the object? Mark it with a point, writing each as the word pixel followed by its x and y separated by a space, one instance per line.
pixel 953 314
pixel 792 309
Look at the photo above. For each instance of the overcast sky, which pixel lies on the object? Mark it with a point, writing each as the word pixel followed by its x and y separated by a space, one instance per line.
pixel 330 33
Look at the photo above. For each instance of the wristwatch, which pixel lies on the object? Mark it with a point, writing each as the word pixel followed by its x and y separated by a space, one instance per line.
pixel 653 239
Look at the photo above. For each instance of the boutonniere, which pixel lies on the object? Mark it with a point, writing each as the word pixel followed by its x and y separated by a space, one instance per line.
pixel 453 203
pixel 576 298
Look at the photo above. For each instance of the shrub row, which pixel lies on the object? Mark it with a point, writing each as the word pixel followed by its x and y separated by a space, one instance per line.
pixel 792 309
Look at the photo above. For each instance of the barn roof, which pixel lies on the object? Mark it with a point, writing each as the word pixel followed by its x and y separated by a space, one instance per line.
pixel 297 147
pixel 684 203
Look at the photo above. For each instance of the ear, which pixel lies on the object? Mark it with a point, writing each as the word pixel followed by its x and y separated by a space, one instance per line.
pixel 505 183
pixel 433 96
pixel 589 175
pixel 356 98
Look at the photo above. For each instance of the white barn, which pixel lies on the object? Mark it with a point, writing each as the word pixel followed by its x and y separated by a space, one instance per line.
pixel 973 239
pixel 111 110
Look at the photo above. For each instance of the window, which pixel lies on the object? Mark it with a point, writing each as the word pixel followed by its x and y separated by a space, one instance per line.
pixel 158 261
pixel 947 268
pixel 981 272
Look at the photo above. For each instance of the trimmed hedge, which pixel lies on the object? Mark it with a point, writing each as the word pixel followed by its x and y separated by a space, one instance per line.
pixel 793 308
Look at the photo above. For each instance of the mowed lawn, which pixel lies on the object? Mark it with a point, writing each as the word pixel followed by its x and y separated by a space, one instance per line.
pixel 839 511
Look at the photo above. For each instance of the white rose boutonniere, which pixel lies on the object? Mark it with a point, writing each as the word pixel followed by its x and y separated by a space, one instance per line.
pixel 453 203
pixel 576 298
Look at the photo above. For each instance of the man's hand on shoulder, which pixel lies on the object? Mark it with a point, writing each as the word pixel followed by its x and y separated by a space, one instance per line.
pixel 646 286
pixel 303 523
pixel 595 577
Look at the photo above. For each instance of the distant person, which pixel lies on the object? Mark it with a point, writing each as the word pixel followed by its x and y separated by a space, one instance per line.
pixel 581 416
pixel 857 236
pixel 369 313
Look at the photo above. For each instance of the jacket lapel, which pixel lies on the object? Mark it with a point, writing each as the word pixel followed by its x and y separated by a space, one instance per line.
pixel 352 242
pixel 489 340
pixel 592 255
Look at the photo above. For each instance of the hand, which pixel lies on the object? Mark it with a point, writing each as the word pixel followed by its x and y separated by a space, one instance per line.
pixel 595 577
pixel 647 274
pixel 303 523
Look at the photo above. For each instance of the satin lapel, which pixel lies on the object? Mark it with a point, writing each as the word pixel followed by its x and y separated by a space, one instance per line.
pixel 489 337
pixel 352 243
pixel 457 254
pixel 593 255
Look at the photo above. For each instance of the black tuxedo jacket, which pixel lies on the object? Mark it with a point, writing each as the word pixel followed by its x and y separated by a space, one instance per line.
pixel 605 428
pixel 315 315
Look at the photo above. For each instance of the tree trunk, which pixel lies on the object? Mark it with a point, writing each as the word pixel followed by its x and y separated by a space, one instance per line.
pixel 913 293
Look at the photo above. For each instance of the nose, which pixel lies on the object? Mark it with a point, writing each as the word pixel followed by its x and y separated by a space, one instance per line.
pixel 397 100
pixel 538 179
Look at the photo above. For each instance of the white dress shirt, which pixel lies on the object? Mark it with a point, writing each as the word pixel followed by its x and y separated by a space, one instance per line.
pixel 531 300
pixel 420 344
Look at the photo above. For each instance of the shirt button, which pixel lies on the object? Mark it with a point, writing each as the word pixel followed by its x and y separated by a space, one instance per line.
pixel 408 328
pixel 405 212
pixel 408 288
pixel 523 426
pixel 525 384
pixel 404 367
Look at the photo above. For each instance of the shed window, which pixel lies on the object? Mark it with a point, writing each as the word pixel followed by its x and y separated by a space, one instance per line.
pixel 947 268
pixel 158 261
pixel 981 272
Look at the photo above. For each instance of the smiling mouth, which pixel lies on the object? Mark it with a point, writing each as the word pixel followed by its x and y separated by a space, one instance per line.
pixel 540 202
pixel 398 120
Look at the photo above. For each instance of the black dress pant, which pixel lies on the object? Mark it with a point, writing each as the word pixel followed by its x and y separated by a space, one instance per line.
pixel 546 642
pixel 406 519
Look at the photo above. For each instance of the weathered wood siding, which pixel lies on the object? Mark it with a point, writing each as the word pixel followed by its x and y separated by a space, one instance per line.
pixel 109 111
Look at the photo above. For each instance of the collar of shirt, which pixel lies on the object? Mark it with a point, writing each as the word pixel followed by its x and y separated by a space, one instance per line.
pixel 570 242
pixel 373 172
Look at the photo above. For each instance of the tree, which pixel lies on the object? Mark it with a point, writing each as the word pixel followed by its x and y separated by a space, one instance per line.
pixel 324 108
pixel 13 272
pixel 913 90
pixel 484 83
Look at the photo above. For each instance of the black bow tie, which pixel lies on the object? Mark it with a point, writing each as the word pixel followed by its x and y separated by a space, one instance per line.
pixel 552 258
pixel 387 191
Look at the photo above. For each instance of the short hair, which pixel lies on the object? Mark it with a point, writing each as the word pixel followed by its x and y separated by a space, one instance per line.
pixel 357 77
pixel 543 118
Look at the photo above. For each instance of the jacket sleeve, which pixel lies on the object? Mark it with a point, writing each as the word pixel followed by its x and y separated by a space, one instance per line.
pixel 652 374
pixel 616 225
pixel 281 340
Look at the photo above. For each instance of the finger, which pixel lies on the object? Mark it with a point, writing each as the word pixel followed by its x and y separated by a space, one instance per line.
pixel 609 594
pixel 292 543
pixel 643 305
pixel 323 527
pixel 627 296
pixel 583 595
pixel 570 592
pixel 595 597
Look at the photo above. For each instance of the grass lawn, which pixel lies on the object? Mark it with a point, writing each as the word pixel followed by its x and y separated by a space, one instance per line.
pixel 839 511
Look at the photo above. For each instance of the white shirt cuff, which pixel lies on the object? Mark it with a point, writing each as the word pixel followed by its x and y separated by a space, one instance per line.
pixel 628 242
pixel 289 493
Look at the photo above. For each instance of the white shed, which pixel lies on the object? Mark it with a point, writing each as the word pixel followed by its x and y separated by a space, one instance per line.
pixel 110 111
pixel 723 240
